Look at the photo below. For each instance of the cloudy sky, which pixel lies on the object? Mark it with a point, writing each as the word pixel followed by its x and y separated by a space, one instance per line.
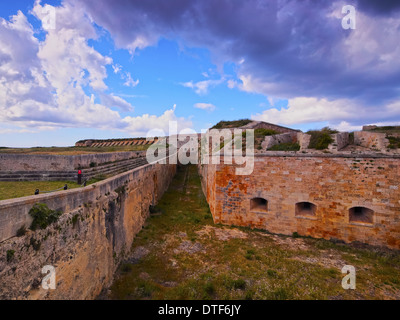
pixel 75 69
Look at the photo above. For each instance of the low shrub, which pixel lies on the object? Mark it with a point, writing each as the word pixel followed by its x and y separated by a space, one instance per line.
pixel 10 255
pixel 320 139
pixel 21 231
pixel 231 124
pixel 290 146
pixel 42 216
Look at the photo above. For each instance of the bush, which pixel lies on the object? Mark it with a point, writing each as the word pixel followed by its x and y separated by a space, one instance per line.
pixel 21 231
pixel 42 216
pixel 261 132
pixel 320 139
pixel 351 138
pixel 264 132
pixel 290 146
pixel 75 220
pixel 126 267
pixel 231 124
pixel 35 244
pixel 394 142
pixel 10 255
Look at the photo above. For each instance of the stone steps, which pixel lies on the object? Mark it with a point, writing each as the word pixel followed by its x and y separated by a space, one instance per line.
pixel 114 169
pixel 107 169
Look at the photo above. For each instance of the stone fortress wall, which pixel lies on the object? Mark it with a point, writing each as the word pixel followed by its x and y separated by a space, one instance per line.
pixel 92 236
pixel 349 191
pixel 115 142
pixel 331 196
pixel 44 162
pixel 32 167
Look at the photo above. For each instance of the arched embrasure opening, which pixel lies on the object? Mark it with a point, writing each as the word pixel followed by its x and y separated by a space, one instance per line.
pixel 361 214
pixel 307 209
pixel 259 204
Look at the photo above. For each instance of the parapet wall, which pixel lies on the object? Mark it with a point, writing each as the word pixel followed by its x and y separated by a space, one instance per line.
pixel 270 197
pixel 94 233
pixel 33 162
pixel 372 140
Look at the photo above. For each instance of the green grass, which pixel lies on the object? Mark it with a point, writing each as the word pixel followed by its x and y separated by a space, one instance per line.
pixel 290 146
pixel 257 267
pixel 394 142
pixel 387 129
pixel 231 124
pixel 18 189
pixel 320 139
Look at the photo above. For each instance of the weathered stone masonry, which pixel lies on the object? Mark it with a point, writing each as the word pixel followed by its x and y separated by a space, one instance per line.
pixel 347 197
pixel 86 244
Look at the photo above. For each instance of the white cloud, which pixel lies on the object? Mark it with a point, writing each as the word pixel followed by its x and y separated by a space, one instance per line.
pixel 117 68
pixel 303 110
pixel 345 126
pixel 205 106
pixel 140 125
pixel 129 82
pixel 110 100
pixel 202 87
pixel 53 83
pixel 341 113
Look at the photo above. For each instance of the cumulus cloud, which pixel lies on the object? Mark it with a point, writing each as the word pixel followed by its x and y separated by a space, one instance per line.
pixel 140 125
pixel 205 106
pixel 202 87
pixel 129 82
pixel 53 83
pixel 116 68
pixel 110 100
pixel 284 49
pixel 341 113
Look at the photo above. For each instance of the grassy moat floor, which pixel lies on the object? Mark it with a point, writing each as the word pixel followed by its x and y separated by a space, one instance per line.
pixel 182 254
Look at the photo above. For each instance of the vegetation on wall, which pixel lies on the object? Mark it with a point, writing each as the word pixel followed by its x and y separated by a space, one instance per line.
pixel 320 139
pixel 231 124
pixel 394 142
pixel 290 146
pixel 261 132
pixel 10 255
pixel 42 216
pixel 387 129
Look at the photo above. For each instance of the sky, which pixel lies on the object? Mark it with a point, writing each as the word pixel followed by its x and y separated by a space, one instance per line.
pixel 100 69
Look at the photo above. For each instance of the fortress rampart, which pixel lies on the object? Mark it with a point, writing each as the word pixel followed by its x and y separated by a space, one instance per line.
pixel 332 196
pixel 94 233
pixel 43 162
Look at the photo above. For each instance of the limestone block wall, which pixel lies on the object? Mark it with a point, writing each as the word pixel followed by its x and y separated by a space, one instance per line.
pixel 271 197
pixel 207 175
pixel 304 140
pixel 94 233
pixel 43 162
pixel 340 141
pixel 372 140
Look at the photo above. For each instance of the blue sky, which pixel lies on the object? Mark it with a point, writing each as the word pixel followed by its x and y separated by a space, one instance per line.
pixel 121 68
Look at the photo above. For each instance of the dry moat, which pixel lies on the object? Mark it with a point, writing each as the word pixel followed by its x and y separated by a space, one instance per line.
pixel 182 254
